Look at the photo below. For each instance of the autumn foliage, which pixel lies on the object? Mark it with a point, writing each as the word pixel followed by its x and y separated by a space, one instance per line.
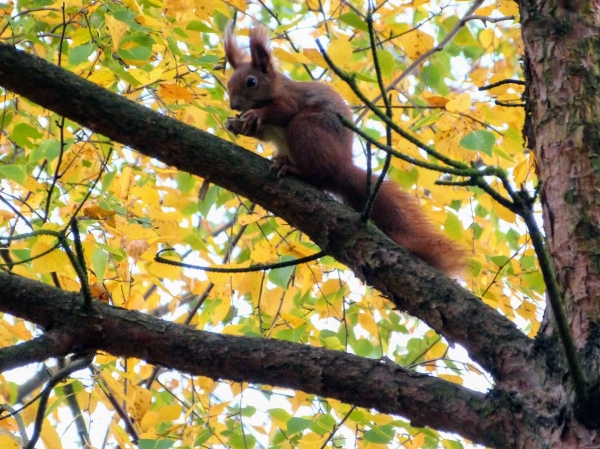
pixel 60 182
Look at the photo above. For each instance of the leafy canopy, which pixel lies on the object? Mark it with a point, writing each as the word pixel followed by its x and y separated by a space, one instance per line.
pixel 168 55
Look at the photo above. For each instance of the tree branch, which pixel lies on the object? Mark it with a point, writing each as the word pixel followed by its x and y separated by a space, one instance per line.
pixel 379 384
pixel 51 344
pixel 491 339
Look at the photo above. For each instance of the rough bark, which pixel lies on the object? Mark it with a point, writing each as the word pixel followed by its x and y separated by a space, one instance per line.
pixel 378 384
pixel 562 56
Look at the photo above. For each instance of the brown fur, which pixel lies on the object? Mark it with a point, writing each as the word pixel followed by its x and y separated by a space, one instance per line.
pixel 301 119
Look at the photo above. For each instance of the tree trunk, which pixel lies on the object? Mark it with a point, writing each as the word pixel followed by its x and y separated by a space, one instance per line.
pixel 561 64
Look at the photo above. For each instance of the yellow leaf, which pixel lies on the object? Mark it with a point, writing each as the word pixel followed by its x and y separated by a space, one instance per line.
pixel 488 38
pixel 217 409
pixel 98 213
pixel 528 310
pixel 264 252
pixel 6 215
pixel 239 5
pixel 49 436
pixel 116 29
pixel 169 412
pixel 460 103
pixel 505 214
pixel 149 421
pixel 522 170
pixel 315 57
pixel 8 441
pixel 19 330
pixel 144 77
pixel 368 323
pixel 133 5
pixel 233 329
pixel 292 57
pixel 174 91
pixel 479 75
pixel 437 350
pixel 416 43
pixel 486 10
pixel 293 320
pixel 205 9
pixel 32 185
pixel 80 36
pixel 164 271
pixel 434 100
pixel 340 52
pixel 250 218
pixel 220 311
pixel 508 8
pixel 270 301
pixel 103 77
pixel 139 402
pixel 51 262
pixel 6 338
pixel 312 441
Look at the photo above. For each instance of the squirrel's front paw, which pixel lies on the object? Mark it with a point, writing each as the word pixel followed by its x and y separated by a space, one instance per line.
pixel 252 123
pixel 234 125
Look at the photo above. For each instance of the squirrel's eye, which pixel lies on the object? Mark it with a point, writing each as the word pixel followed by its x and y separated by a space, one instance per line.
pixel 251 81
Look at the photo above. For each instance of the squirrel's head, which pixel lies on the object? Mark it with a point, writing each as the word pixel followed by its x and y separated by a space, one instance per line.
pixel 252 83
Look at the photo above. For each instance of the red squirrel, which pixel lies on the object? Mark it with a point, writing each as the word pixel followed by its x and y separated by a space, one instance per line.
pixel 301 120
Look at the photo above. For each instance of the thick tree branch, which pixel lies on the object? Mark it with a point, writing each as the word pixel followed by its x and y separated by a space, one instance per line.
pixel 50 344
pixel 379 384
pixel 492 340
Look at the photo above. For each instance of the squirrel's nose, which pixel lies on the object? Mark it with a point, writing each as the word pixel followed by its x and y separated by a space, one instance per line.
pixel 235 104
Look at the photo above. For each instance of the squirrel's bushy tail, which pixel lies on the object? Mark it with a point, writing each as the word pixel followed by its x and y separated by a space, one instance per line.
pixel 399 215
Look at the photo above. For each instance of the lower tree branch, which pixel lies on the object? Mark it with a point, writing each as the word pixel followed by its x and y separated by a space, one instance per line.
pixel 48 345
pixel 379 384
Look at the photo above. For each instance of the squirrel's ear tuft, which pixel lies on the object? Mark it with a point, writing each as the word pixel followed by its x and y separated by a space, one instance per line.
pixel 260 49
pixel 233 53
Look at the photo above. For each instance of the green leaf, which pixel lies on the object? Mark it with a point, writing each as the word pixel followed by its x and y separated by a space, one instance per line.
pixel 48 149
pixel 386 63
pixel 185 182
pixel 293 335
pixel 379 434
pixel 453 226
pixel 242 441
pixel 362 347
pixel 354 20
pixel 296 425
pixel 324 424
pixel 141 50
pixel 281 276
pixel 427 120
pixel 100 263
pixel 197 25
pixel 81 53
pixel 279 414
pixel 155 444
pixel 126 16
pixel 500 261
pixel 138 53
pixel 24 135
pixel 204 436
pixel 13 172
pixel 479 141
pixel 248 411
pixel 209 200
pixel 107 180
